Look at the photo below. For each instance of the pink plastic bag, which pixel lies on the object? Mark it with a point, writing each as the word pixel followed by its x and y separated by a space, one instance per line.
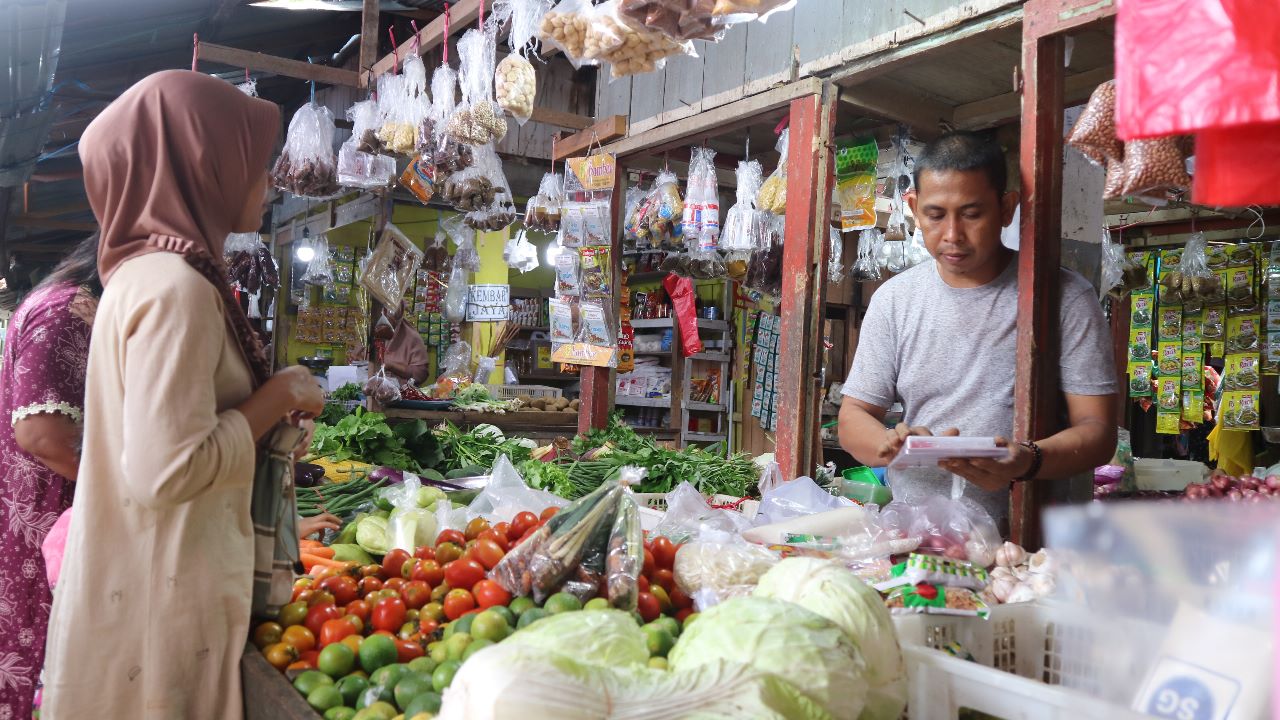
pixel 1188 65
pixel 54 545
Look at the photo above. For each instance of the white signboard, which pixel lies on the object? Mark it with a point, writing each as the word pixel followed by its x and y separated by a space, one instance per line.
pixel 488 303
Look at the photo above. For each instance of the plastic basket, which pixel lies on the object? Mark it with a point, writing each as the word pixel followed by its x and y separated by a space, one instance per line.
pixel 658 502
pixel 508 392
pixel 1022 668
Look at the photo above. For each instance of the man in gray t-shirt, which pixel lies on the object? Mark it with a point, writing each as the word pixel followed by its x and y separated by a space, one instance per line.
pixel 941 339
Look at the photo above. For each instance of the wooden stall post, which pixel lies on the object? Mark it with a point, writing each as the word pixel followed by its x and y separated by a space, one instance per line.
pixel 809 171
pixel 1036 388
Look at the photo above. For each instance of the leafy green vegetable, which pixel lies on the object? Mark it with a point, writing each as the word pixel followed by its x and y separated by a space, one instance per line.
pixel 334 409
pixel 606 638
pixel 477 398
pixel 350 391
pixel 363 436
pixel 481 447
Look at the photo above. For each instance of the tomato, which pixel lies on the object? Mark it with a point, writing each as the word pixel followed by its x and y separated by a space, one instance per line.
pixel 428 627
pixel 680 600
pixel 303 594
pixel 373 570
pixel 416 593
pixel 355 622
pixel 664 579
pixel 439 591
pixel 431 611
pixel 395 584
pixel 664 602
pixel 406 570
pixel 531 531
pixel 343 588
pixel 393 561
pixel 458 603
pixel 383 593
pixel 463 573
pixel 643 583
pixel 334 630
pixel 429 572
pixel 548 513
pixel 318 615
pixel 648 607
pixel 299 638
pixel 295 613
pixel 407 630
pixel 649 564
pixel 664 552
pixel 521 523
pixel 268 633
pixel 303 582
pixel 684 613
pixel 299 666
pixel 503 529
pixel 489 553
pixel 388 614
pixel 449 536
pixel 448 552
pixel 369 584
pixel 489 593
pixel 310 657
pixel 497 537
pixel 321 597
pixel 280 655
pixel 426 552
pixel 407 650
pixel 353 642
pixel 475 527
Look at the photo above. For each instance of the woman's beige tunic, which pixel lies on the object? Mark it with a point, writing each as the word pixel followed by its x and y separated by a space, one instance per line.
pixel 151 611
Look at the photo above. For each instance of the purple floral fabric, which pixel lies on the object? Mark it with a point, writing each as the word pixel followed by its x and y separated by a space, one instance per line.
pixel 46 352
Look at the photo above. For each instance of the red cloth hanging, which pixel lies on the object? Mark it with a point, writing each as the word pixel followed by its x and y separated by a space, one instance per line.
pixel 1238 166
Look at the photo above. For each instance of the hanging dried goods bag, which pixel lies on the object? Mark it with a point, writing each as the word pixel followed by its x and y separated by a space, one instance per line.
pixel 1153 166
pixel 544 209
pixel 390 270
pixel 629 48
pixel 773 193
pixel 397 129
pixel 515 83
pixel 479 120
pixel 444 152
pixel 679 20
pixel 307 167
pixel 358 167
pixel 1094 133
pixel 565 28
pixel 727 12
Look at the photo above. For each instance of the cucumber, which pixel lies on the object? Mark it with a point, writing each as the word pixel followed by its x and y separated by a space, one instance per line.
pixel 468 471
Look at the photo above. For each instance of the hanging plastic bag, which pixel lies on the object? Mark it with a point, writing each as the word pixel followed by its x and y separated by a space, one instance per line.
pixel 666 212
pixel 1094 133
pixel 523 255
pixel 679 20
pixel 1113 266
pixel 629 48
pixel 320 269
pixel 917 252
pixel 487 174
pixel 506 495
pixel 382 389
pixel 388 272
pixel 409 526
pixel 1192 281
pixel 358 167
pixel 955 527
pixel 683 302
pixel 856 183
pixel 764 271
pixel 478 121
pixel 773 193
pixel 464 254
pixel 1153 167
pixel 516 83
pixel 401 108
pixel 797 498
pixel 742 223
pixel 732 12
pixel 701 217
pixel 445 152
pixel 835 268
pixel 867 267
pixel 543 211
pixel 689 517
pixel 455 297
pixel 565 27
pixel 308 167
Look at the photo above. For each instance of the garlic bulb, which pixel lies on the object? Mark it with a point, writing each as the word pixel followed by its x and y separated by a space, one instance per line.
pixel 1021 592
pixel 1043 563
pixel 1002 572
pixel 1001 587
pixel 979 553
pixel 1010 555
pixel 1022 574
pixel 1042 585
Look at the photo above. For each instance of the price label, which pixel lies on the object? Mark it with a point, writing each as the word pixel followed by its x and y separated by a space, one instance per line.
pixel 1180 690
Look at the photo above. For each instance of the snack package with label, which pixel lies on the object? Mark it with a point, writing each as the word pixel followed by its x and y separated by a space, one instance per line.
pixel 773 193
pixel 936 600
pixel 920 568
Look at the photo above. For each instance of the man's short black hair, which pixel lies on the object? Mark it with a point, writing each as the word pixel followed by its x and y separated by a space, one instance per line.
pixel 964 151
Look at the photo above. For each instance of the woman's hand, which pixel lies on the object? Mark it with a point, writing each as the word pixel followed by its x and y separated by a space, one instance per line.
pixel 305 445
pixel 301 389
pixel 312 525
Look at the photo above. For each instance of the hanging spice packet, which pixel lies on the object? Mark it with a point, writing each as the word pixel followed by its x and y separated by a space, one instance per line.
pixel 561 321
pixel 596 276
pixel 936 600
pixel 567 281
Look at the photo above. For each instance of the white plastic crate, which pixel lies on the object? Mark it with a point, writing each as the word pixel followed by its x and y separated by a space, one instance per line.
pixel 509 392
pixel 658 502
pixel 1022 669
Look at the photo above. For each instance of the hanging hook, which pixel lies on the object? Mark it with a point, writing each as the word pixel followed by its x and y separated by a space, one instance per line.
pixel 1258 220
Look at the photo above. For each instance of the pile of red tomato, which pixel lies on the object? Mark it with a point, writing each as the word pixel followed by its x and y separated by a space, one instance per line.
pixel 409 597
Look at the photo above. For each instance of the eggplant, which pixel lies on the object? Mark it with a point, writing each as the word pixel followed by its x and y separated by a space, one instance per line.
pixel 391 475
pixel 307 475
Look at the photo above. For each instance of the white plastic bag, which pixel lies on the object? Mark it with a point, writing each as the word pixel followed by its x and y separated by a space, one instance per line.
pixel 455 298
pixel 359 165
pixel 797 498
pixel 689 517
pixel 409 526
pixel 308 167
pixel 506 495
pixel 478 121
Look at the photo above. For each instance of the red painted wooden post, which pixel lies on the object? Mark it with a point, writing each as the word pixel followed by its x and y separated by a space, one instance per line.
pixel 809 169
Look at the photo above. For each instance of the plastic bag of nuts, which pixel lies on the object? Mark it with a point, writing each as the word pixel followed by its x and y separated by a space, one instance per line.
pixel 516 85
pixel 679 20
pixel 1154 165
pixel 478 121
pixel 565 27
pixel 544 209
pixel 1094 133
pixel 629 49
pixel 307 167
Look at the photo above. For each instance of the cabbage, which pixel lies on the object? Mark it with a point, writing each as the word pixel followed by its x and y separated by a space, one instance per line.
pixel 371 534
pixel 411 527
pixel 780 638
pixel 833 592
pixel 515 682
pixel 598 637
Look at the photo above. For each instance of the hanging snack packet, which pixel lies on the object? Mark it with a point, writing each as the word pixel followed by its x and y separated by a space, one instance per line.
pixel 596 223
pixel 573 225
pixel 743 223
pixel 867 266
pixel 388 273
pixel 1094 133
pixel 463 237
pixel 856 183
pixel 565 28
pixel 358 167
pixel 773 193
pixel 455 298
pixel 936 600
pixel 479 120
pixel 560 314
pixel 1153 166
pixel 307 167
pixel 418 178
pixel 596 273
pixel 835 268
pixel 500 211
pixel 543 211
pixel 629 48
pixel 567 282
pixel 679 20
pixel 320 269
pixel 667 211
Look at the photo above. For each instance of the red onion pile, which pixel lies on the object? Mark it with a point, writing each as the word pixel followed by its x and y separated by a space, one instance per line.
pixel 1244 489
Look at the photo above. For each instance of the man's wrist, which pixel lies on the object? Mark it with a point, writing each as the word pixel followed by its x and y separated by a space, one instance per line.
pixel 1037 459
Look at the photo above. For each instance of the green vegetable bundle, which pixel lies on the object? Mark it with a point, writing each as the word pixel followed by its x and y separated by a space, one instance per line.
pixel 479 447
pixel 366 436
pixel 338 498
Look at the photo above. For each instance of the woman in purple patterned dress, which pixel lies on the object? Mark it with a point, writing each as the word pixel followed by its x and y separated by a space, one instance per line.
pixel 41 399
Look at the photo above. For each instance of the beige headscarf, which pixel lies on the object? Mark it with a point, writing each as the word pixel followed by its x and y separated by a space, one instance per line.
pixel 167 168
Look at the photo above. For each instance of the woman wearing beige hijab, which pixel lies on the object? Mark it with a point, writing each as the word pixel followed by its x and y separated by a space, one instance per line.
pixel 152 608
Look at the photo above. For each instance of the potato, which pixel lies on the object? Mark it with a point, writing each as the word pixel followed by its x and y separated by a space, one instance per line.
pixel 575 404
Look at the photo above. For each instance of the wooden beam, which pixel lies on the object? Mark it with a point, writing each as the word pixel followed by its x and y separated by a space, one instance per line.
pixel 809 171
pixel 717 121
pixel 49 224
pixel 262 62
pixel 80 206
pixel 925 117
pixel 1036 382
pixel 369 28
pixel 610 128
pixel 558 118
pixel 1061 16
pixel 984 113
pixel 461 14
pixel 58 175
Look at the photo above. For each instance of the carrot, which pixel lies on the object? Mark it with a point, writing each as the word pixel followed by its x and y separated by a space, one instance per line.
pixel 308 544
pixel 324 552
pixel 310 561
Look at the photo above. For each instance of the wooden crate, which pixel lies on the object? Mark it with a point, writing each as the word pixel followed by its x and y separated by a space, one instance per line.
pixel 267 694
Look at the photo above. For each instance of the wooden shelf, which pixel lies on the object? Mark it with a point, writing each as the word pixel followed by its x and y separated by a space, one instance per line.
pixel 629 401
pixel 659 353
pixel 643 323
pixel 703 407
pixel 704 437
pixel 646 277
pixel 705 324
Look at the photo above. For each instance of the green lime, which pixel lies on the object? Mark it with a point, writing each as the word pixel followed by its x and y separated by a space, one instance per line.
pixel 476 647
pixel 423 665
pixel 597 604
pixel 461 625
pixel 388 676
pixel 325 698
pixel 410 687
pixel 456 645
pixel 437 651
pixel 562 602
pixel 658 663
pixel 506 613
pixel 310 680
pixel 658 639
pixel 443 676
pixel 531 616
pixel 377 651
pixel 336 660
pixel 339 713
pixel 382 709
pixel 490 625
pixel 374 694
pixel 428 703
pixel 671 624
pixel 688 620
pixel 521 604
pixel 352 687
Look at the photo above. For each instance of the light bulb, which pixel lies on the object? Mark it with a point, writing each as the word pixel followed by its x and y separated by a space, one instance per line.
pixel 553 252
pixel 305 253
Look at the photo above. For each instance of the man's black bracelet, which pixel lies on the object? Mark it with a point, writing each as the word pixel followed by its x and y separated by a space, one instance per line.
pixel 1036 460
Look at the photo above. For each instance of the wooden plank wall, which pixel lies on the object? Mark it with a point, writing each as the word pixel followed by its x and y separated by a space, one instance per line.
pixel 815 37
